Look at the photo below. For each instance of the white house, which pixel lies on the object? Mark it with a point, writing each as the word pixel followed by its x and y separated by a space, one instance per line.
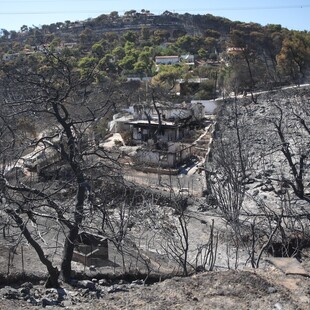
pixel 167 60
pixel 188 59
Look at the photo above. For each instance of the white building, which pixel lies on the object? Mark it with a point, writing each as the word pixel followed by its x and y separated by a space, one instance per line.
pixel 188 59
pixel 167 60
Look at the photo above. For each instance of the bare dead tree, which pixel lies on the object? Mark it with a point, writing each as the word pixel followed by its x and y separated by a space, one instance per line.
pixel 50 86
pixel 229 167
pixel 207 253
pixel 297 168
pixel 277 141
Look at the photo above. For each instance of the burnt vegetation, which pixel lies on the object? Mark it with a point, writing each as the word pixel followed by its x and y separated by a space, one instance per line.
pixel 61 84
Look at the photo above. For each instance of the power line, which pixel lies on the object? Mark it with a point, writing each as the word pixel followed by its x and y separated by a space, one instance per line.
pixel 279 7
pixel 37 1
pixel 98 11
pixel 243 8
pixel 48 12
pixel 175 10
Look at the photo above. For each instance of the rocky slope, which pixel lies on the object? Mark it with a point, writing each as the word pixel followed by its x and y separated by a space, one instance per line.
pixel 260 289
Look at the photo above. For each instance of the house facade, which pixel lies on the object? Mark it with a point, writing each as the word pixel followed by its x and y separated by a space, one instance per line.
pixel 159 130
pixel 174 156
pixel 143 131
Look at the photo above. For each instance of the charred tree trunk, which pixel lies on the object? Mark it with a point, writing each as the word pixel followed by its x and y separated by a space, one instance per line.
pixel 297 173
pixel 73 234
pixel 68 254
pixel 53 272
pixel 73 158
pixel 246 57
pixel 159 128
pixel 239 140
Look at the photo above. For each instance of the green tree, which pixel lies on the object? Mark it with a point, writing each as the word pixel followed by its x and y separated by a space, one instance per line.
pixel 114 15
pixel 87 64
pixel 86 36
pixel 168 75
pixel 130 36
pixel 206 90
pixel 161 35
pixel 145 33
pixel 97 49
pixel 4 34
pixel 130 13
pixel 24 28
pixel 293 59
pixel 127 63
pixel 118 53
pixel 107 64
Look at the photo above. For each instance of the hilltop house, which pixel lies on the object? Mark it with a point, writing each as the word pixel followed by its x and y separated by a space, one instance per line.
pixel 188 59
pixel 167 60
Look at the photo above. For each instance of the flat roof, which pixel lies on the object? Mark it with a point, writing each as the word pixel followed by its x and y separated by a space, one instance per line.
pixel 153 123
pixel 166 56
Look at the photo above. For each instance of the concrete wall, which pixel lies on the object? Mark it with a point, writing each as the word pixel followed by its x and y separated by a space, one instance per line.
pixel 163 159
pixel 141 135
